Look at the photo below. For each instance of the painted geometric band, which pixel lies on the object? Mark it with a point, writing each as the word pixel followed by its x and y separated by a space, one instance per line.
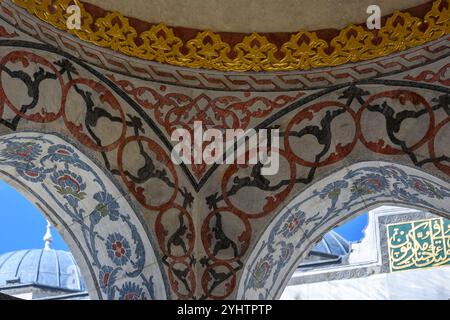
pixel 303 51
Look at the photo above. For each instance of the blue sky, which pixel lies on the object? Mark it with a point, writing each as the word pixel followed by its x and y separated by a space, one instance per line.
pixel 353 229
pixel 23 226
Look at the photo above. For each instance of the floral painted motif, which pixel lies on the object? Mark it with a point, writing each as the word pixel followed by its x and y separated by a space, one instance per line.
pixel 425 188
pixel 22 151
pixel 107 206
pixel 131 291
pixel 105 277
pixel 70 185
pixel 333 190
pixel 261 272
pixel 286 252
pixel 32 173
pixel 61 152
pixel 118 249
pixel 370 184
pixel 292 224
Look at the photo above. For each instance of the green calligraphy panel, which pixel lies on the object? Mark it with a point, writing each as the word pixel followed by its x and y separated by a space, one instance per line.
pixel 419 244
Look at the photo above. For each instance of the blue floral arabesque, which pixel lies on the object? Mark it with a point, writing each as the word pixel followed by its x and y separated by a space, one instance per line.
pixel 261 272
pixel 70 185
pixel 107 206
pixel 21 150
pixel 131 291
pixel 118 249
pixel 69 176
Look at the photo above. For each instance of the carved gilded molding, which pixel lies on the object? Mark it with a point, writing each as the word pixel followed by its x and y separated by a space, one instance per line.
pixel 303 51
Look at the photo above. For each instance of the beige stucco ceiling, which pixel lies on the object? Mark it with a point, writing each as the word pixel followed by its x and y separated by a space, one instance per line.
pixel 253 15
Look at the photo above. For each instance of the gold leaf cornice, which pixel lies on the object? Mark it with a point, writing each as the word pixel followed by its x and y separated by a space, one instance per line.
pixel 303 51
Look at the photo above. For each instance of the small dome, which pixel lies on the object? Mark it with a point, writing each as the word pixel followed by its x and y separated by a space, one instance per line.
pixel 46 267
pixel 333 244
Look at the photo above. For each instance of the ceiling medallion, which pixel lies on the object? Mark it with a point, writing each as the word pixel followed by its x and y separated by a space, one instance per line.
pixel 303 51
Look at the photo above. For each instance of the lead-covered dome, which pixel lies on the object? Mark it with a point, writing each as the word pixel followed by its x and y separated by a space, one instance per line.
pixel 332 249
pixel 43 267
pixel 333 244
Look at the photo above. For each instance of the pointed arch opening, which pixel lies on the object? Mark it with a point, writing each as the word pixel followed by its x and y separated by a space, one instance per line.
pixel 329 202
pixel 100 225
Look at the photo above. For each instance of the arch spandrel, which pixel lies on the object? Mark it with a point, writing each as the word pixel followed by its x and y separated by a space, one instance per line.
pixel 206 221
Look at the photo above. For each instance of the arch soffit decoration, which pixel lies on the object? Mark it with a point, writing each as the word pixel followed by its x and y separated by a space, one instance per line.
pixel 331 201
pixel 100 226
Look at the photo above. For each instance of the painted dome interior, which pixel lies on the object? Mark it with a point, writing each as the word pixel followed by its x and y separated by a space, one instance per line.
pixel 254 15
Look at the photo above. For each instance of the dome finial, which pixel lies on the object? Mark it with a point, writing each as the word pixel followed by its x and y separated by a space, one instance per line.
pixel 48 236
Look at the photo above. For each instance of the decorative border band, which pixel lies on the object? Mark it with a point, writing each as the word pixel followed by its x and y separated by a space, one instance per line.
pixel 255 52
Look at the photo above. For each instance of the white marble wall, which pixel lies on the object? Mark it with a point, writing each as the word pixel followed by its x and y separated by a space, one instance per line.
pixel 433 283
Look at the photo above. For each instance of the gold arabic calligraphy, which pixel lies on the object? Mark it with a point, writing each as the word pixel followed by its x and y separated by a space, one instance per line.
pixel 419 244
